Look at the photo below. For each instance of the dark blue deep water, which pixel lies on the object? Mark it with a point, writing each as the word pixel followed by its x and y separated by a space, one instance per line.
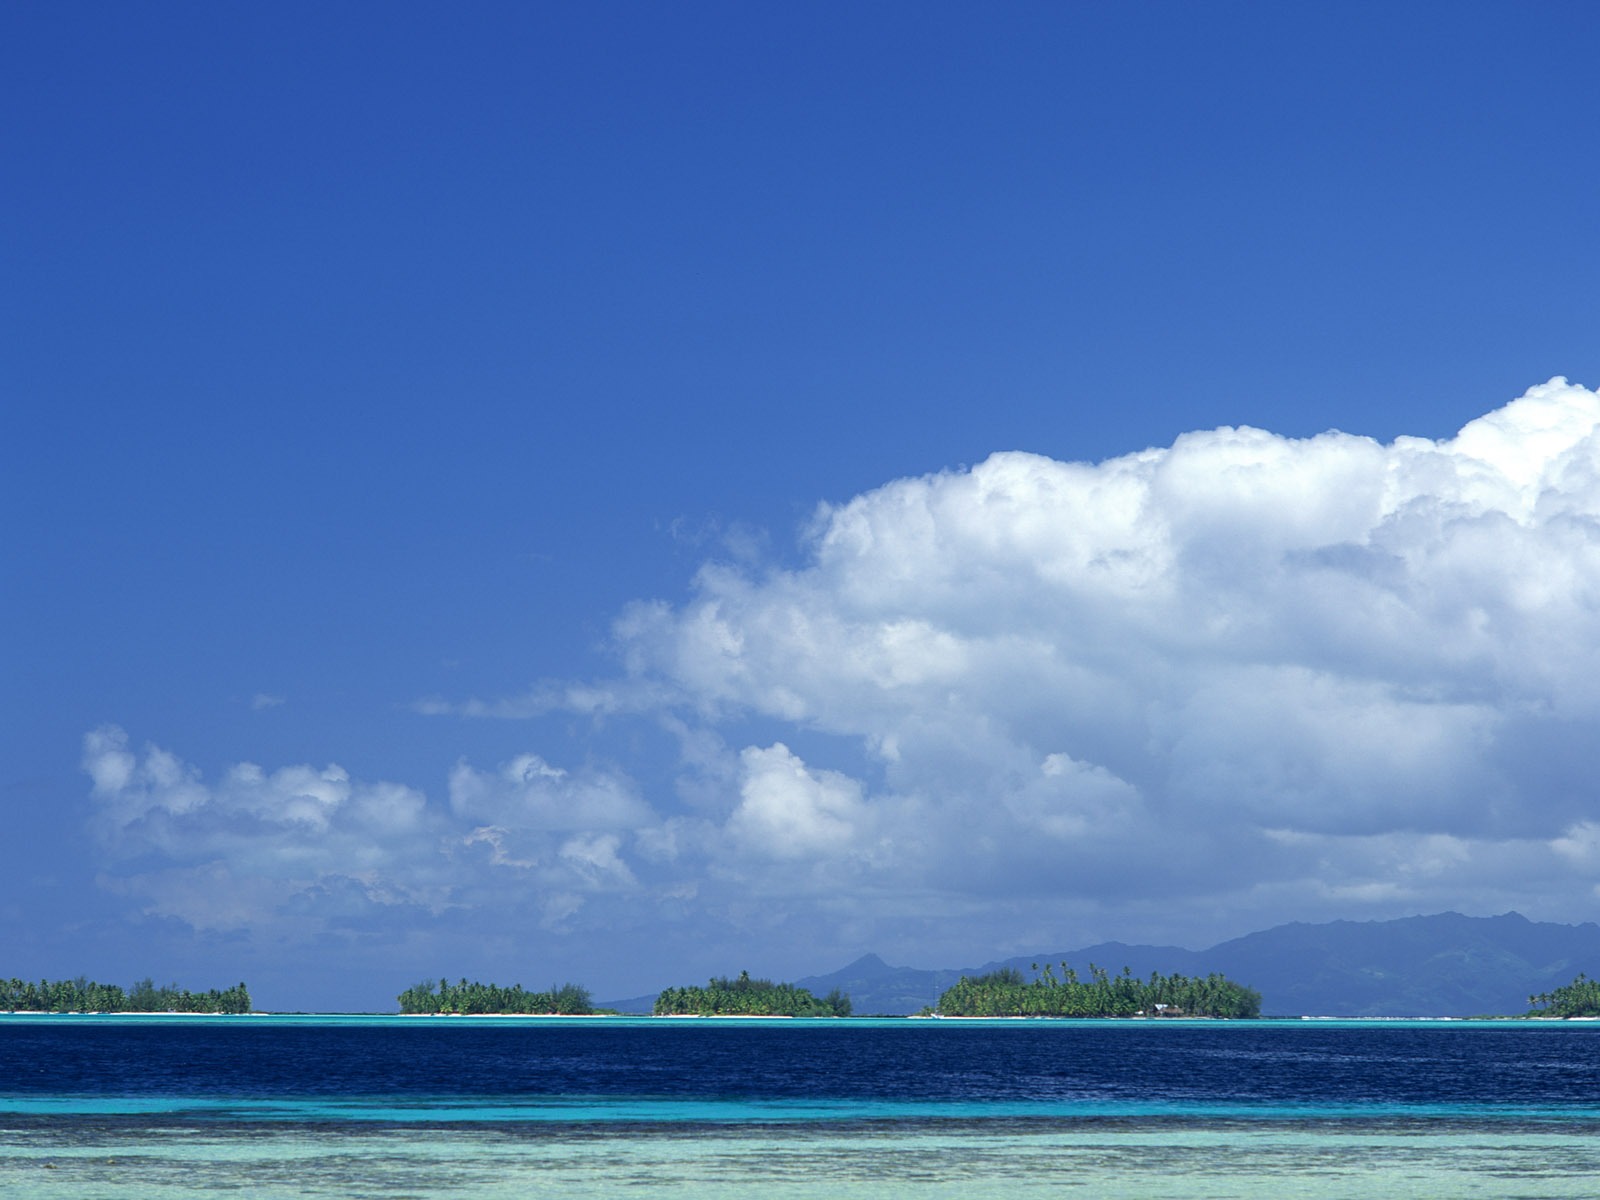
pixel 499 1065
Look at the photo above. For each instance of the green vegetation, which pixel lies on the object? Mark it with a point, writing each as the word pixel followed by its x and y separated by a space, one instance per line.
pixel 746 997
pixel 82 995
pixel 1006 993
pixel 466 998
pixel 1580 998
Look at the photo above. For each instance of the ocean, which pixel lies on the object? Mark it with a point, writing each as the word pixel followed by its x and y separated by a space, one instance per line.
pixel 341 1106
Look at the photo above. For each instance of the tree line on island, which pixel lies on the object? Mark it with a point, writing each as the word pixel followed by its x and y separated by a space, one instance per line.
pixel 1580 998
pixel 1007 993
pixel 84 996
pixel 746 997
pixel 468 998
pixel 1002 993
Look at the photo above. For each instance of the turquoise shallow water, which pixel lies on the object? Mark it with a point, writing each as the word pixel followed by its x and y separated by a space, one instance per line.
pixel 648 1110
pixel 390 1107
pixel 1179 1161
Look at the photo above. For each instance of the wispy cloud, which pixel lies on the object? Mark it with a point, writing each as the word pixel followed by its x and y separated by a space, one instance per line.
pixel 309 848
pixel 590 699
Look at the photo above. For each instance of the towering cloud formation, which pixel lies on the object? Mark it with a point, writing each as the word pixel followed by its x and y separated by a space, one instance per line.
pixel 1243 675
pixel 1243 662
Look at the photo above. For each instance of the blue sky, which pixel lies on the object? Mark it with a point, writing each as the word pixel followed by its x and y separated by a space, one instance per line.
pixel 540 492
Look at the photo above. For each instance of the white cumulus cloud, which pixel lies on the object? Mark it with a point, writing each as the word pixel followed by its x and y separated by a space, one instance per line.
pixel 1142 674
pixel 788 811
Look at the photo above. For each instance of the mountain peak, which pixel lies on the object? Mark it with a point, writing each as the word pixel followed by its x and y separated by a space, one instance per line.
pixel 869 965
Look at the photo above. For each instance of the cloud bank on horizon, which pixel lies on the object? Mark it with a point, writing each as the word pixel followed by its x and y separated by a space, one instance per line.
pixel 1243 677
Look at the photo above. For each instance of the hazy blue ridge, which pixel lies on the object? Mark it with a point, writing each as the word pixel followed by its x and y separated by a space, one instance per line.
pixel 1441 965
pixel 1433 966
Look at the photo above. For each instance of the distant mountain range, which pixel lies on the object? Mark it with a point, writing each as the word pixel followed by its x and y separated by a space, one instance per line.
pixel 1441 965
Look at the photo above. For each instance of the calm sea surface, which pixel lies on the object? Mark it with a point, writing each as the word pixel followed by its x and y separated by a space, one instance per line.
pixel 408 1107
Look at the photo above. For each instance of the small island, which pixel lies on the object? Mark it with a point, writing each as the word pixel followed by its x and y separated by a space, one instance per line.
pixel 1580 998
pixel 470 998
pixel 746 997
pixel 85 996
pixel 1006 993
